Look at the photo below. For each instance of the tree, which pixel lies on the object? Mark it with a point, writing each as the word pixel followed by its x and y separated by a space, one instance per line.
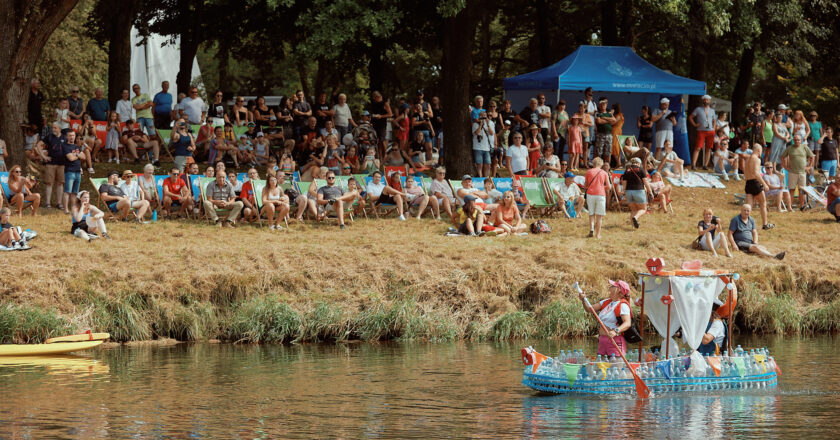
pixel 109 23
pixel 26 25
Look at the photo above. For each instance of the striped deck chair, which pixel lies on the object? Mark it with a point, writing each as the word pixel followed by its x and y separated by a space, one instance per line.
pixel 5 190
pixel 202 185
pixel 535 192
pixel 258 186
pixel 456 185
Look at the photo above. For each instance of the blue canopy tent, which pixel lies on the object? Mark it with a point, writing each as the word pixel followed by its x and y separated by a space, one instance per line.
pixel 616 73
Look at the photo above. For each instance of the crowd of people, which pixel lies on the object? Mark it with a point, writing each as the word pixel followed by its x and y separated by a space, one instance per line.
pixel 327 139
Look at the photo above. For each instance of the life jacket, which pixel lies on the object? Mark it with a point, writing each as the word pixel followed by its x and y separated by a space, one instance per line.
pixel 618 308
pixel 712 349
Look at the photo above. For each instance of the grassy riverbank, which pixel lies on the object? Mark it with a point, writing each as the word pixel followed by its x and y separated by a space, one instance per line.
pixel 386 279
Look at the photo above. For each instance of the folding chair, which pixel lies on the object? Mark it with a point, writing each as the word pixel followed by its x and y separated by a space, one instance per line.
pixel 202 185
pixel 535 193
pixel 615 183
pixel 506 184
pixel 258 186
pixel 4 189
pixel 375 207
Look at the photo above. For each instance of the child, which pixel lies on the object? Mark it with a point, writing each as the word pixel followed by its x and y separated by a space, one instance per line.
pixel 261 150
pixel 499 152
pixel 9 236
pixel 371 163
pixel 62 117
pixel 287 164
pixel 228 133
pixel 575 143
pixel 112 141
pixel 244 151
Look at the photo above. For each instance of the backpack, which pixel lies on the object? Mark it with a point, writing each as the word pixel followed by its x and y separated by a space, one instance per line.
pixel 631 335
pixel 540 227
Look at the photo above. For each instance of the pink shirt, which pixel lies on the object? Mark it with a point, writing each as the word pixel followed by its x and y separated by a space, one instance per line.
pixel 596 178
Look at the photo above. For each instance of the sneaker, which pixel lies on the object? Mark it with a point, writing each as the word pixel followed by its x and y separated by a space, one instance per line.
pixel 492 233
pixel 110 160
pixel 231 224
pixel 116 161
pixel 217 222
pixel 342 226
pixel 737 177
pixel 726 177
pixel 24 246
pixel 90 170
pixel 278 228
pixel 591 234
pixel 635 222
pixel 15 245
pixel 271 228
pixel 453 230
pixel 768 226
pixel 105 234
pixel 92 236
pixel 402 218
pixel 482 234
pixel 780 255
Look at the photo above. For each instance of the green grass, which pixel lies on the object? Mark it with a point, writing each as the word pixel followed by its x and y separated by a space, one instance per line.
pixel 263 319
pixel 125 317
pixel 513 325
pixel 563 318
pixel 825 319
pixel 325 322
pixel 30 325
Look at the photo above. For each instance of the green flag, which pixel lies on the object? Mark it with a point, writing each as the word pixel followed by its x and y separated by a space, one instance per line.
pixel 572 371
pixel 739 362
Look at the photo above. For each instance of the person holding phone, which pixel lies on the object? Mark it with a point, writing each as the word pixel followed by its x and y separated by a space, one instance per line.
pixel 183 143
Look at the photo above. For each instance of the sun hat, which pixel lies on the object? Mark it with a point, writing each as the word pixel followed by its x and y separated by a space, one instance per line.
pixel 705 97
pixel 782 107
pixel 664 101
pixel 260 134
pixel 622 285
pixel 365 113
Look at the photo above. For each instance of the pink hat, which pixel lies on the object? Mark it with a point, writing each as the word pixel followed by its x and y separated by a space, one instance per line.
pixel 623 287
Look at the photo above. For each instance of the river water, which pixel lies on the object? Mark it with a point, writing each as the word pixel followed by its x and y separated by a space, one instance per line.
pixel 410 390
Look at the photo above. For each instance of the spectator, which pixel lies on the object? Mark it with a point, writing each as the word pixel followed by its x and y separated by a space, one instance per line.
pixel 218 146
pixel 210 171
pixel 548 164
pixel 98 107
pixel 529 115
pixel 703 119
pixel 36 100
pixel 135 194
pixel 162 106
pixel 815 135
pixel 241 115
pixel 493 195
pixel 569 198
pixel 665 120
pixel 575 142
pixel 483 137
pixel 9 236
pixel 262 113
pixel 800 126
pixel 72 169
pixel 635 190
pixel 660 190
pixel 597 184
pixel 517 157
pixel 182 143
pixel 443 192
pixel 36 155
pixel 343 116
pixel 381 194
pixel 722 128
pixel 519 197
pixel 616 132
pixel 261 151
pixel 671 165
pixel 477 109
pixel 832 195
pixel 176 193
pixel 235 183
pixel 124 107
pixel 775 188
pixel 216 110
pixel 508 114
pixel 148 184
pixel 744 236
pixel 744 152
pixel 328 129
pixel 534 141
pixel 134 138
pixel 604 121
pixel 246 194
pixel 769 117
pixel 112 139
pixel 88 219
pixel 332 198
pixel 828 152
pixel 506 217
pixel 298 199
pixel 470 218
pixel 560 128
pixel 401 126
pixel 193 108
pixel 323 110
pixel 87 132
pixel 54 169
pixel 112 194
pixel 21 190
pixel 437 124
pixel 220 196
pixel 415 196
pixel 710 234
pixel 645 126
pixel 275 203
pixel 631 151
pixel 467 188
pixel 799 164
pixel 301 110
pixel 755 123
pixel 421 121
pixel 62 115
pixel 76 105
pixel 544 114
pixel 726 161
pixel 285 117
pixel 587 129
pixel 781 137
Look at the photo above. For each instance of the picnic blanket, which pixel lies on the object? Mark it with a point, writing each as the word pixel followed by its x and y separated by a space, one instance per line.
pixel 697 180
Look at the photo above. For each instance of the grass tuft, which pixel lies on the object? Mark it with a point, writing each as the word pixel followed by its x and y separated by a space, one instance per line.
pixel 514 325
pixel 263 319
pixel 563 318
pixel 325 322
pixel 30 325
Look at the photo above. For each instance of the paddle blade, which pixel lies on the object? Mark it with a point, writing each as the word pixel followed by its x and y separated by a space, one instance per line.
pixel 642 389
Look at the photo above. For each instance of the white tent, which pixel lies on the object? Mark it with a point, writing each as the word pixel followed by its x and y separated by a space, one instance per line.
pixel 152 64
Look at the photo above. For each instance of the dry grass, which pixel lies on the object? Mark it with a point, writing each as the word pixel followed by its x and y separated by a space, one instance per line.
pixel 184 279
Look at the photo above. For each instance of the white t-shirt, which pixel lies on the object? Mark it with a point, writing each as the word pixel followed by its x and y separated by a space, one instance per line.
pixel 670 165
pixel 375 189
pixel 483 140
pixel 59 116
pixel 468 191
pixel 718 331
pixel 607 314
pixel 568 192
pixel 193 108
pixel 518 157
pixel 342 115
pixel 132 191
pixel 544 122
pixel 125 110
pixel 720 155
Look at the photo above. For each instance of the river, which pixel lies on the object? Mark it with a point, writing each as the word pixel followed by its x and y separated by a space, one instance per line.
pixel 389 390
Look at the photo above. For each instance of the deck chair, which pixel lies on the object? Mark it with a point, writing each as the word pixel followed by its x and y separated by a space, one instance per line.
pixel 550 185
pixel 159 182
pixel 419 182
pixel 387 208
pixel 195 189
pixel 400 169
pixel 621 140
pixel 96 182
pixel 303 189
pixel 535 192
pixel 4 189
pixel 258 186
pixel 342 181
pixel 615 183
pixel 296 176
pixel 506 184
pixel 456 185
pixel 202 185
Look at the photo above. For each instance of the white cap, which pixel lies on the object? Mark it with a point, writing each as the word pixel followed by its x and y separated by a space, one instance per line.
pixel 706 97
pixel 782 107
pixel 664 101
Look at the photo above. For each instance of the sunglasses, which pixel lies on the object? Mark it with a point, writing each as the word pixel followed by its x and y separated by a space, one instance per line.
pixel 74 91
pixel 348 168
pixel 330 178
pixel 16 171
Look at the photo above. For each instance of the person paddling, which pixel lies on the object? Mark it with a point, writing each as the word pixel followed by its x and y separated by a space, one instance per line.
pixel 609 310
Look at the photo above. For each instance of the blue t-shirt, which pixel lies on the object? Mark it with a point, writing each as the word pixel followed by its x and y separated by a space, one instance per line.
pixel 70 166
pixel 742 232
pixel 475 112
pixel 54 149
pixel 163 103
pixel 98 109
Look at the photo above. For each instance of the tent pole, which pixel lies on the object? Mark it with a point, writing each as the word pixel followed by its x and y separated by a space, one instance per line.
pixel 668 327
pixel 642 322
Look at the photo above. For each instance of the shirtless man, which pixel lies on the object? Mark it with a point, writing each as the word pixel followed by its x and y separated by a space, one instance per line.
pixel 756 185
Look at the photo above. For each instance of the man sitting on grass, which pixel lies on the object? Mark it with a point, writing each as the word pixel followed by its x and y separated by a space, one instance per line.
pixel 744 236
pixel 219 197
pixel 176 193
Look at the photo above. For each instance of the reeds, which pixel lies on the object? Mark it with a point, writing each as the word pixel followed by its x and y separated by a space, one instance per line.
pixel 30 325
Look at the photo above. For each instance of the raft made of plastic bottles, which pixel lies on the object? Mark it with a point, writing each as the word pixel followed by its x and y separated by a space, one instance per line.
pixel 574 373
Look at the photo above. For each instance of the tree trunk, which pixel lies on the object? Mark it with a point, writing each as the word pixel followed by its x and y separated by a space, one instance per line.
pixel 224 65
pixel 627 36
pixel 26 27
pixel 609 23
pixel 119 51
pixel 456 64
pixel 484 82
pixel 376 66
pixel 742 84
pixel 189 47
pixel 543 34
pixel 304 77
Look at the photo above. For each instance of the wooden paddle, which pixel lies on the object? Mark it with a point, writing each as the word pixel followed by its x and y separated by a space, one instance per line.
pixel 642 389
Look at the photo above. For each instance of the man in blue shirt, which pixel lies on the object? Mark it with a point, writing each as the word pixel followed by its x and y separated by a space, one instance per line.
pixel 98 107
pixel 162 107
pixel 744 235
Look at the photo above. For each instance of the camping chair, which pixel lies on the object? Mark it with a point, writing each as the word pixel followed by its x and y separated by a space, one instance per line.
pixel 96 182
pixel 4 189
pixel 195 190
pixel 159 182
pixel 550 185
pixel 621 139
pixel 202 185
pixel 456 185
pixel 615 184
pixel 342 181
pixel 419 182
pixel 164 144
pixel 258 186
pixel 535 193
pixel 303 189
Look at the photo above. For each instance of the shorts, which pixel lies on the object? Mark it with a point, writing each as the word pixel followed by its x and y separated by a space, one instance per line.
pixel 163 121
pixel 603 145
pixel 386 199
pixel 481 157
pixel 637 196
pixel 726 165
pixel 753 187
pixel 662 136
pixel 797 180
pixel 113 207
pixel 707 137
pixel 589 135
pixel 72 180
pixel 831 206
pixel 463 228
pixel 54 174
pixel 597 204
pixel 715 242
pixel 606 348
pixel 427 138
pixel 181 162
pixel 147 122
pixel 744 246
pixel 814 145
pixel 830 166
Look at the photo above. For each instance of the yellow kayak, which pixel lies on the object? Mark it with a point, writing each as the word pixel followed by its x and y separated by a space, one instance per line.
pixel 45 349
pixel 79 338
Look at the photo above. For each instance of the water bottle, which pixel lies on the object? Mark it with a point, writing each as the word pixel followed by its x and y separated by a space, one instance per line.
pixel 739 351
pixel 562 356
pixel 599 359
pixel 154 215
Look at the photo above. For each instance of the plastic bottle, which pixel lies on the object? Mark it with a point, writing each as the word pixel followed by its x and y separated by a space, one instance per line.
pixel 154 215
pixel 739 351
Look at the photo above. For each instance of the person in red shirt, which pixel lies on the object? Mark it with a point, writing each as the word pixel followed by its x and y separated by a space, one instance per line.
pixel 597 184
pixel 250 212
pixel 176 193
pixel 832 194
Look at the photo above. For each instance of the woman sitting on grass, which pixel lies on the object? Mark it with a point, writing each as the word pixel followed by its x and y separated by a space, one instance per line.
pixel 87 219
pixel 710 234
pixel 661 191
pixel 470 218
pixel 9 236
pixel 506 216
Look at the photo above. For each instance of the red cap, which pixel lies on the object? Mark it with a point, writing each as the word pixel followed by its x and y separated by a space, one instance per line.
pixel 623 287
